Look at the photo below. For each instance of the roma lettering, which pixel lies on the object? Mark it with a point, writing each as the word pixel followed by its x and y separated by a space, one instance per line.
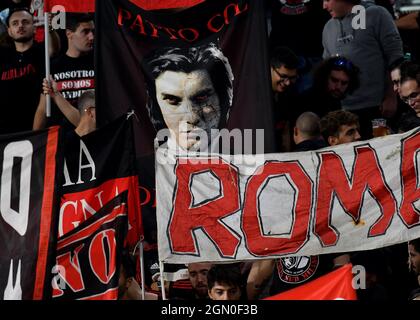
pixel 332 191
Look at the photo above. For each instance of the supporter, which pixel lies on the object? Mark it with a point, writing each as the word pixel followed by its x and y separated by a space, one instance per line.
pixel 73 71
pixel 224 282
pixel 21 69
pixel 283 65
pixel 197 273
pixel 298 25
pixel 339 127
pixel 410 89
pixel 87 109
pixel 128 287
pixel 414 262
pixel 333 80
pixel 307 133
pixel 401 66
pixel 373 49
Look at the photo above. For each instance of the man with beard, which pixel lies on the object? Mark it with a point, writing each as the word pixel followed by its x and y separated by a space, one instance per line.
pixel 197 273
pixel 333 80
pixel 21 69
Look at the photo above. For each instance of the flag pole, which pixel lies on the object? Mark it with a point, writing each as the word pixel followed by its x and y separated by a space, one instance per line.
pixel 162 282
pixel 141 250
pixel 47 61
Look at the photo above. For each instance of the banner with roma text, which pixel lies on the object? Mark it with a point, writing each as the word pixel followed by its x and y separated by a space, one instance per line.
pixel 351 197
pixel 30 166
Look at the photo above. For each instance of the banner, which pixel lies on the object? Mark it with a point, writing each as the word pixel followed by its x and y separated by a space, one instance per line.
pixel 89 5
pixel 336 285
pixel 29 163
pixel 70 5
pixel 351 197
pixel 89 257
pixel 223 44
pixel 98 167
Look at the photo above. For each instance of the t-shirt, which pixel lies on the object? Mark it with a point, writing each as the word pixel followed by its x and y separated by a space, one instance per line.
pixel 298 24
pixel 295 271
pixel 21 76
pixel 73 76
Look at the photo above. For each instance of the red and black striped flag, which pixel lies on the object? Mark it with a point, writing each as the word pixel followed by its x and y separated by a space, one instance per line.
pixel 29 168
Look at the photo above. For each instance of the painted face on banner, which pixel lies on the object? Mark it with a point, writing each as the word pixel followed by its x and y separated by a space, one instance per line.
pixel 188 102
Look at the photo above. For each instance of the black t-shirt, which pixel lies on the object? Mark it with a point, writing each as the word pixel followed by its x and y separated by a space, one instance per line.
pixel 21 76
pixel 298 24
pixel 73 76
pixel 291 272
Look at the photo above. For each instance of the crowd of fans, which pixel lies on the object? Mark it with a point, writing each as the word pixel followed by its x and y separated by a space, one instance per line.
pixel 330 82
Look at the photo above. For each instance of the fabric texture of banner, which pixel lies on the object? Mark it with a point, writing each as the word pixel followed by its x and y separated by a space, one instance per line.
pixel 98 167
pixel 351 197
pixel 336 285
pixel 89 257
pixel 29 182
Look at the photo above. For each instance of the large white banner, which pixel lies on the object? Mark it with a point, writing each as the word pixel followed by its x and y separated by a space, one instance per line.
pixel 351 197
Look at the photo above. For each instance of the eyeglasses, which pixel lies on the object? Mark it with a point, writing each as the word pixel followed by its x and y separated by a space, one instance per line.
pixel 410 97
pixel 284 77
pixel 343 63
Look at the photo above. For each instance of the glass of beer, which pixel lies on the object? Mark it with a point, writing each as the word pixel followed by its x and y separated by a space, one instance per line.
pixel 379 127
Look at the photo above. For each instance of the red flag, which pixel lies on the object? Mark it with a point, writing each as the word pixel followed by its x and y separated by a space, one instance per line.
pixel 165 4
pixel 71 5
pixel 336 285
pixel 89 5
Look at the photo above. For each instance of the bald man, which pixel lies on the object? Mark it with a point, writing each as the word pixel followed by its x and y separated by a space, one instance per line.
pixel 307 133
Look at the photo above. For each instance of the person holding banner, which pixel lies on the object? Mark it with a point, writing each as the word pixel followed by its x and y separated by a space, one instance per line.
pixel 190 90
pixel 73 71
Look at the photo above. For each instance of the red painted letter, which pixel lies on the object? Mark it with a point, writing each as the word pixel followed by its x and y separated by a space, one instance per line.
pixel 186 217
pixel 333 181
pixel 103 267
pixel 73 275
pixel 263 245
pixel 409 175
